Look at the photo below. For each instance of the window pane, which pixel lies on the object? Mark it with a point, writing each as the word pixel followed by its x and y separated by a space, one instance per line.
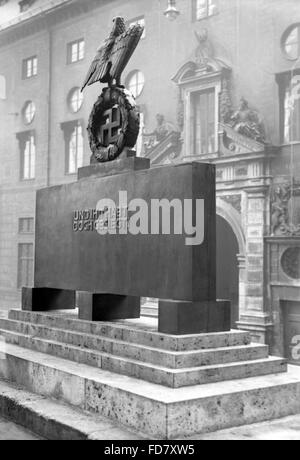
pixel 203 123
pixel 74 57
pixel 201 8
pixel 34 66
pixel 292 112
pixel 81 50
pixel 136 83
pixel 75 150
pixel 26 225
pixel 32 158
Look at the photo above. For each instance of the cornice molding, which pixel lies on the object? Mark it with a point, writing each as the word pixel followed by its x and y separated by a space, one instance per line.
pixel 47 19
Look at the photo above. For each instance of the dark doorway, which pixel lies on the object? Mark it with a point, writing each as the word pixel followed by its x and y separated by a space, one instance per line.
pixel 227 267
pixel 292 331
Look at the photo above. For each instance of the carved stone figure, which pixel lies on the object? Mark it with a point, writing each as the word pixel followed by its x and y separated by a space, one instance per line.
pixel 160 133
pixel 248 122
pixel 204 50
pixel 281 224
pixel 114 122
pixel 226 109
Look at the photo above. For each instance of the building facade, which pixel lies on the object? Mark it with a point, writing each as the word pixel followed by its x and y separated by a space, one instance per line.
pixel 220 84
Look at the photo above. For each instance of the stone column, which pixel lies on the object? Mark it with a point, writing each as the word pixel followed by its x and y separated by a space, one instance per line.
pixel 255 316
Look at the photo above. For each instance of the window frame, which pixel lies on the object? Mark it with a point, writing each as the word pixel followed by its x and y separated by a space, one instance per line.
pixel 70 45
pixel 68 129
pixel 34 67
pixel 208 14
pixel 30 221
pixel 71 94
pixel 284 39
pixel 24 138
pixel 130 77
pixel 215 86
pixel 284 82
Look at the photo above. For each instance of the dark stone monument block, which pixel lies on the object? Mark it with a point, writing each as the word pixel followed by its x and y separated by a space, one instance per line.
pixel 160 265
pixel 106 307
pixel 45 299
pixel 181 318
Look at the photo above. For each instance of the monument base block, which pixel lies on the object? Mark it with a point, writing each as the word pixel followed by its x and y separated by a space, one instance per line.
pixel 45 299
pixel 182 318
pixel 107 307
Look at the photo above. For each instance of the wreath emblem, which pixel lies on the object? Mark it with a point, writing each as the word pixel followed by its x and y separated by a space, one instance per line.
pixel 114 123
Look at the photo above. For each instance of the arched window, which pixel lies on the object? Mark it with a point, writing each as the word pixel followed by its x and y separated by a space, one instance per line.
pixel 135 83
pixel 2 87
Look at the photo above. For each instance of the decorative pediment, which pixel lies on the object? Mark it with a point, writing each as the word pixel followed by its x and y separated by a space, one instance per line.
pixel 165 151
pixel 232 142
pixel 204 64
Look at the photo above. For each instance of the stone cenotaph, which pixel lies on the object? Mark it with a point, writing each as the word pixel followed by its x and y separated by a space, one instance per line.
pixel 124 230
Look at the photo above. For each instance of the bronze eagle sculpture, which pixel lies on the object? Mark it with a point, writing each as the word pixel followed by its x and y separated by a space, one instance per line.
pixel 114 54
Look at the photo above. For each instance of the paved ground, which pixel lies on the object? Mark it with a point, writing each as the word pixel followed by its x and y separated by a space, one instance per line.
pixel 287 429
pixel 11 432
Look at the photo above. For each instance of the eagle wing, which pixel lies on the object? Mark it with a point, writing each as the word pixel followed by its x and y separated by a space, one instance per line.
pixel 112 58
pixel 100 65
pixel 123 48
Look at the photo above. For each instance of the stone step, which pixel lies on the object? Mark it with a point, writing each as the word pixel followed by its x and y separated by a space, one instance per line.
pixel 156 411
pixel 173 378
pixel 137 331
pixel 169 359
pixel 56 421
pixel 149 311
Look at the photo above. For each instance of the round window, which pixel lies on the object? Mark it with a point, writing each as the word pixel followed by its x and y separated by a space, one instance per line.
pixel 136 83
pixel 290 263
pixel 291 42
pixel 29 111
pixel 75 100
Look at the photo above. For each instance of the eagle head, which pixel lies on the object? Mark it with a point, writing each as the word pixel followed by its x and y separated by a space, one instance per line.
pixel 119 26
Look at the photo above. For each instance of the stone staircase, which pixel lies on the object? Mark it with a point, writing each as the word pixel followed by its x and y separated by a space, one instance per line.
pixel 173 385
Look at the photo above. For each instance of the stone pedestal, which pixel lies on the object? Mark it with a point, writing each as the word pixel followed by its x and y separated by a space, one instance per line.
pixel 106 307
pixel 180 318
pixel 44 299
pixel 126 163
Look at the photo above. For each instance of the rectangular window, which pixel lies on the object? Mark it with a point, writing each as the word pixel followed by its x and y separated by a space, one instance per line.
pixel 75 150
pixel 26 225
pixel 140 21
pixel 203 122
pixel 204 8
pixel 75 51
pixel 30 67
pixel 25 265
pixel 292 111
pixel 27 156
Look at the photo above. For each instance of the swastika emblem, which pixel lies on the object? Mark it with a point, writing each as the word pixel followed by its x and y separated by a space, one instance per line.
pixel 110 126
